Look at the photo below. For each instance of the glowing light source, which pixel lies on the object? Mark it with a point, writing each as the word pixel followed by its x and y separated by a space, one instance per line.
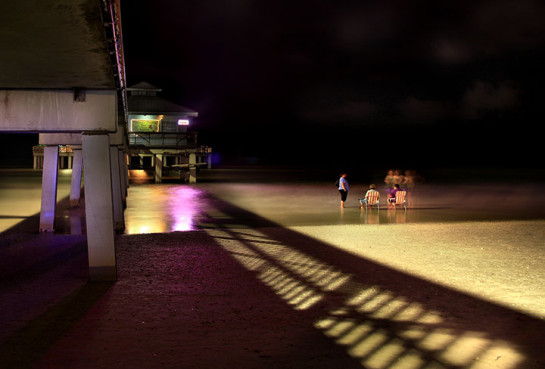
pixel 183 122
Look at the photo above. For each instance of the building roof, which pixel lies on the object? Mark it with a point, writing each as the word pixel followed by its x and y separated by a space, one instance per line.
pixel 149 103
pixel 143 86
pixel 142 104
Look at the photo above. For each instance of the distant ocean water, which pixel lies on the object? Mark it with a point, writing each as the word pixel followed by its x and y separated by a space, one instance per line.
pixel 16 153
pixel 362 174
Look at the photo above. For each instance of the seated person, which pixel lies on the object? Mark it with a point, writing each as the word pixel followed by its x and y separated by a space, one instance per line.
pixel 392 194
pixel 365 200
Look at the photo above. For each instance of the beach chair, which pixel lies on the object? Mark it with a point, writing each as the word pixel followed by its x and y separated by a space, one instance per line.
pixel 372 199
pixel 401 199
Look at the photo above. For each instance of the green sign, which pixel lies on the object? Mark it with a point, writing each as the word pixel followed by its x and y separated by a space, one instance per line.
pixel 141 125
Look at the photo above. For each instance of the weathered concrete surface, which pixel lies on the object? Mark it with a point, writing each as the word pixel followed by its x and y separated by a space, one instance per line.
pixel 54 44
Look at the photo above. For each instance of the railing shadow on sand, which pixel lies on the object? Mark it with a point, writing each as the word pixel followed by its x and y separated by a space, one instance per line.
pixel 384 318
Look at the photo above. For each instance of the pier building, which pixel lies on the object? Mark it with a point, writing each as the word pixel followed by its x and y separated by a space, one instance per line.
pixel 160 140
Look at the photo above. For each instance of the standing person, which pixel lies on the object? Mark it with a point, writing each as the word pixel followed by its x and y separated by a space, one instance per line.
pixel 398 178
pixel 343 188
pixel 412 178
pixel 389 180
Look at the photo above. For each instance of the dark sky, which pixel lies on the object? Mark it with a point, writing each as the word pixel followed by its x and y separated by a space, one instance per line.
pixel 404 83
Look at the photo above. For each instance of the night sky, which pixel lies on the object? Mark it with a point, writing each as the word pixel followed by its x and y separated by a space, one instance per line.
pixel 396 83
pixel 403 83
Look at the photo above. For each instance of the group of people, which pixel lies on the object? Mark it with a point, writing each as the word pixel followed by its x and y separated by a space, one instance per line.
pixel 394 181
pixel 406 181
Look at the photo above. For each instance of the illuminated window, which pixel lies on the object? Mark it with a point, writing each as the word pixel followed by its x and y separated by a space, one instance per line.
pixel 145 125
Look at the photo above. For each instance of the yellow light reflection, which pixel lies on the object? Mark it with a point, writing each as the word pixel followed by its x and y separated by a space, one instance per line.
pixel 161 208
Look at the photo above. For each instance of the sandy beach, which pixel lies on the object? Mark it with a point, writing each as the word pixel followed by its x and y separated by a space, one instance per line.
pixel 265 273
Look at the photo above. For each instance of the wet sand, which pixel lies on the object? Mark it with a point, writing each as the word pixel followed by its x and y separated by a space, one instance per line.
pixel 273 274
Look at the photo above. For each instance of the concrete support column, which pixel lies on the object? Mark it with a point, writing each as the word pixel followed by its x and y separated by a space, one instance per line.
pixel 75 184
pixel 192 168
pixel 209 160
pixel 119 222
pixel 158 168
pixel 124 177
pixel 49 188
pixel 99 207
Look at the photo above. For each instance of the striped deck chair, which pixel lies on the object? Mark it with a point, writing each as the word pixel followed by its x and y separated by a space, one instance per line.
pixel 401 199
pixel 372 199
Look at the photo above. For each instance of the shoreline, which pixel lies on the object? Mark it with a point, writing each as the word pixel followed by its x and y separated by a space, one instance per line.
pixel 358 173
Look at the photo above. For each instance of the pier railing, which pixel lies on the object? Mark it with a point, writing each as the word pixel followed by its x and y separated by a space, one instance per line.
pixel 163 139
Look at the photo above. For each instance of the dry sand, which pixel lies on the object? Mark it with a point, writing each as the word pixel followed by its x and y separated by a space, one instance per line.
pixel 276 275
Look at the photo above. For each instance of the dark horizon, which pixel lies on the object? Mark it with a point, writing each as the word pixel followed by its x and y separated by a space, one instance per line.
pixel 302 168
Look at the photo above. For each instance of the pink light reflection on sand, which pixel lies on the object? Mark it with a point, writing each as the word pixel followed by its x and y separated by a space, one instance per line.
pixel 162 208
pixel 183 208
